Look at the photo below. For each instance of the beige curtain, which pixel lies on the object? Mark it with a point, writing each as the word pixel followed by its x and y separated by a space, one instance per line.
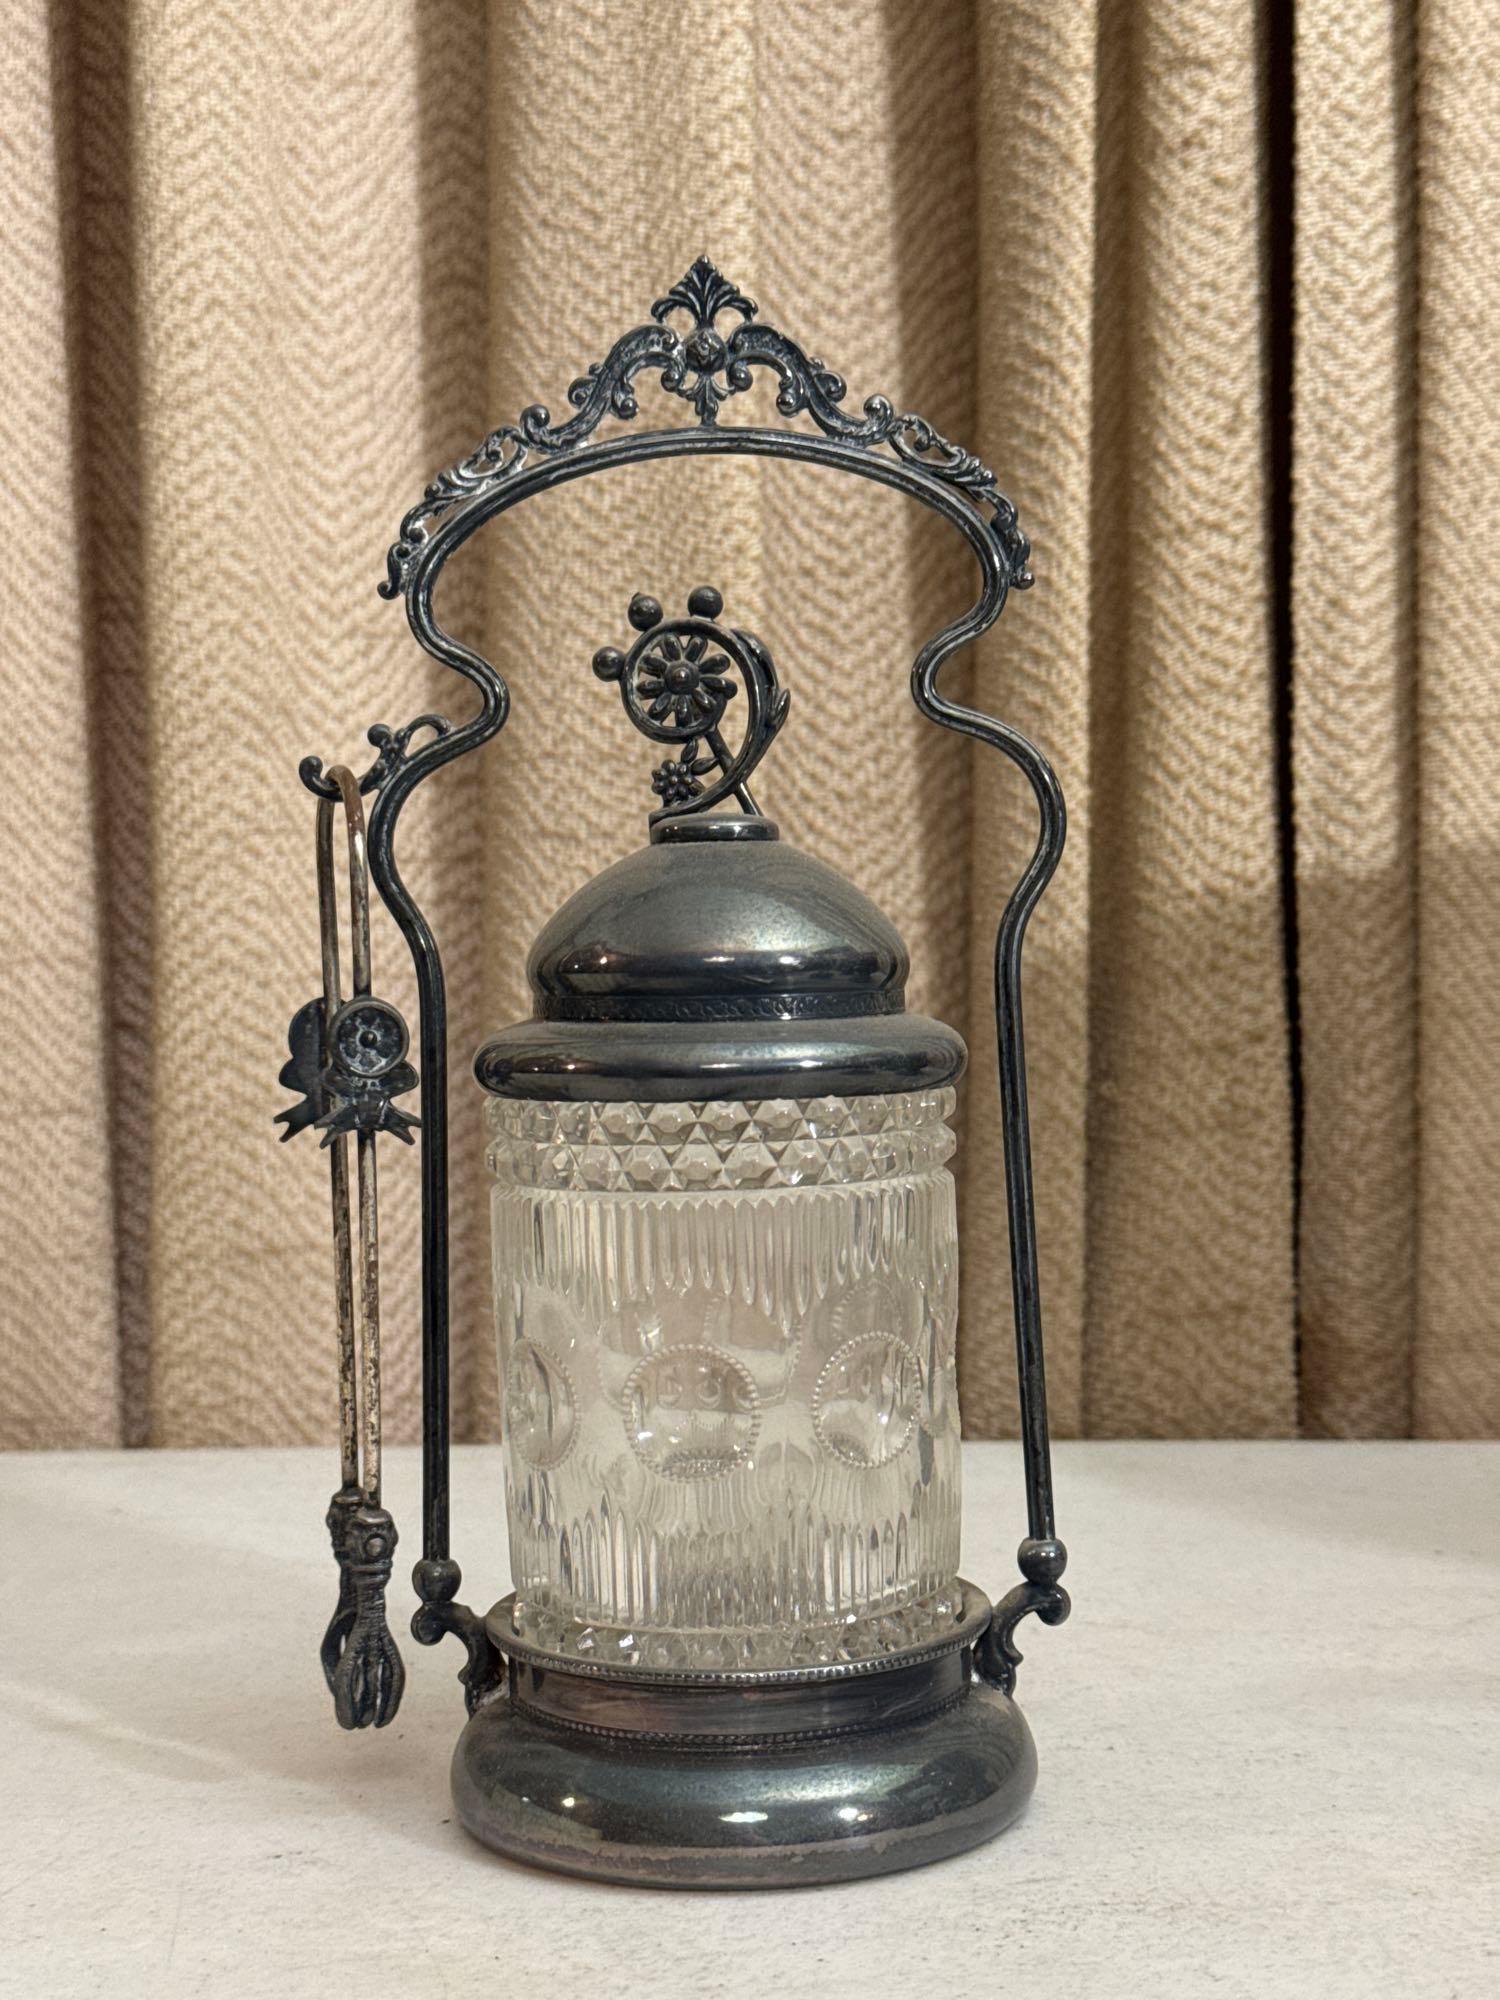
pixel 1211 285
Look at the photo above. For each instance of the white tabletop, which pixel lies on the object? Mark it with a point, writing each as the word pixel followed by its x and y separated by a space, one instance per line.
pixel 1269 1744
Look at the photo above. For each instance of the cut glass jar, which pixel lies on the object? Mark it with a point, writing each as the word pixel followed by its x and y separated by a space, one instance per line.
pixel 727 1355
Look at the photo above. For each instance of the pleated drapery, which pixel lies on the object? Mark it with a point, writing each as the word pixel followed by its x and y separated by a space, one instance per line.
pixel 1212 287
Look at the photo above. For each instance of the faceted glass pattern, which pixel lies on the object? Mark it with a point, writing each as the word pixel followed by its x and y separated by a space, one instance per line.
pixel 727 1359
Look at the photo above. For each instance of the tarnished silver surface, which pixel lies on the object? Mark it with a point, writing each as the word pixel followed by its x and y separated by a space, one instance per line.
pixel 673 1806
pixel 718 962
pixel 756 1777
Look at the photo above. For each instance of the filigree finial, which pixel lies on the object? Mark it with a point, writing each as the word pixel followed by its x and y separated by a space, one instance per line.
pixel 704 292
pixel 675 683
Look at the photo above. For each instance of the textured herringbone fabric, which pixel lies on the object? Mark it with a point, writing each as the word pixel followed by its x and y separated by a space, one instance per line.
pixel 310 336
pixel 1188 1128
pixel 1455 1371
pixel 268 267
pixel 62 1372
pixel 1035 410
pixel 1355 588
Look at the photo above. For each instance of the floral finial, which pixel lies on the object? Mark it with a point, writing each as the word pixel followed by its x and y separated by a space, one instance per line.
pixel 677 682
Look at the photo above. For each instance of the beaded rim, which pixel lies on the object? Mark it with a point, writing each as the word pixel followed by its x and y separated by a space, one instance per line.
pixel 970 1621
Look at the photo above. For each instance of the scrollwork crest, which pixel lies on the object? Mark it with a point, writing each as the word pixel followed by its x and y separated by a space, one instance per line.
pixel 705 364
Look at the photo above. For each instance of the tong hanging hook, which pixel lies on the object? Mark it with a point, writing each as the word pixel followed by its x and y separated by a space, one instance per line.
pixel 348 1060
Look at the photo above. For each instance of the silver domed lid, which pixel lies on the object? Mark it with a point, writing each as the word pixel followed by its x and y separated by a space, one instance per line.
pixel 718 962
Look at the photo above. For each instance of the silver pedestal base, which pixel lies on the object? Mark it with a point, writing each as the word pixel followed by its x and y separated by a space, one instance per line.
pixel 720 1795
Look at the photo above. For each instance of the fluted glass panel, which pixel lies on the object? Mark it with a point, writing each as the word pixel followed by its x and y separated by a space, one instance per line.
pixel 727 1357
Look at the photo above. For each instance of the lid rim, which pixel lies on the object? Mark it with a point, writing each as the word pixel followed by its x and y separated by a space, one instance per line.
pixel 680 1062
